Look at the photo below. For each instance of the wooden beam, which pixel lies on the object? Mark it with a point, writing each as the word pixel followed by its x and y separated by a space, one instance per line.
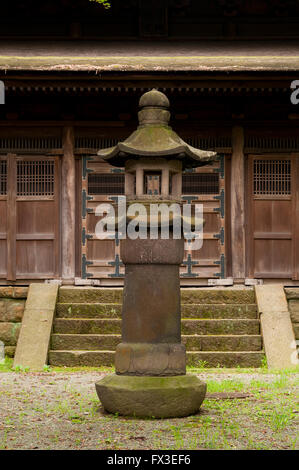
pixel 238 203
pixel 11 216
pixel 68 205
pixel 295 197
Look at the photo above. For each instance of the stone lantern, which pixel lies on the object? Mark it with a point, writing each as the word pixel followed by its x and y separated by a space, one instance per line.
pixel 150 362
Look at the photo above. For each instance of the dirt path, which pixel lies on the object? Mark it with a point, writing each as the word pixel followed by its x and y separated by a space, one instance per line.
pixel 57 410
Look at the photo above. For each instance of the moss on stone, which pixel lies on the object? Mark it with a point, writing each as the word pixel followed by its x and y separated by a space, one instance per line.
pixel 218 296
pixel 89 295
pixel 88 326
pixel 220 327
pixel 201 311
pixel 9 333
pixel 10 292
pixel 88 310
pixel 155 397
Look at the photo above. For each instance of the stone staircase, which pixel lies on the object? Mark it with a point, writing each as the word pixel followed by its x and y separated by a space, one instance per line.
pixel 219 327
pixel 292 295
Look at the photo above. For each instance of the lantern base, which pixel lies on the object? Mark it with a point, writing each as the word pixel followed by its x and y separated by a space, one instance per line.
pixel 151 397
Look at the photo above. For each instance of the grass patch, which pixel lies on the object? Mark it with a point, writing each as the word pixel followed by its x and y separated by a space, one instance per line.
pixel 7 366
pixel 214 386
pixel 201 369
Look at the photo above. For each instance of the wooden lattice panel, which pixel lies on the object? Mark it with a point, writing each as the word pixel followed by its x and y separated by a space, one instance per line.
pixel 102 184
pixel 200 183
pixel 35 178
pixel 272 177
pixel 106 184
pixel 3 177
pixel 27 144
pixel 257 143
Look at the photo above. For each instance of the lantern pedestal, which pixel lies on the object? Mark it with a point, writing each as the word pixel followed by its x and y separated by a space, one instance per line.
pixel 151 397
pixel 150 362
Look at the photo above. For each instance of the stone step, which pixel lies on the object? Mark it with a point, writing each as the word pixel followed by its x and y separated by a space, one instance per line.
pixel 222 342
pixel 95 342
pixel 217 311
pixel 113 310
pixel 218 296
pixel 90 310
pixel 203 327
pixel 292 293
pixel 194 358
pixel 189 296
pixel 89 295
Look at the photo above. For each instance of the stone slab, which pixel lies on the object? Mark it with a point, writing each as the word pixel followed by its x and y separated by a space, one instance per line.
pixel 88 310
pixel 161 359
pixel 218 296
pixel 188 296
pixel 194 358
pixel 89 294
pixel 153 397
pixel 34 338
pixel 96 342
pixel 276 326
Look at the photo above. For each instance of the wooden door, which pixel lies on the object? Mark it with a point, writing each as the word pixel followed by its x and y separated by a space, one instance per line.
pixel 101 258
pixel 29 217
pixel 273 217
pixel 206 186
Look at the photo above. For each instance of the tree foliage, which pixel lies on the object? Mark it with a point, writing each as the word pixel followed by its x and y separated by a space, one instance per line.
pixel 104 3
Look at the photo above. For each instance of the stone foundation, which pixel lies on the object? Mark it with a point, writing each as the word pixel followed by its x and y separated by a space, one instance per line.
pixel 151 397
pixel 12 304
pixel 292 295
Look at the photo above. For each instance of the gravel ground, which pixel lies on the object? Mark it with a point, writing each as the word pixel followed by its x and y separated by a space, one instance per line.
pixel 60 410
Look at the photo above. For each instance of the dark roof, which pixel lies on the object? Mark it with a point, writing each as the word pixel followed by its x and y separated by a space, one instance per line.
pixel 159 56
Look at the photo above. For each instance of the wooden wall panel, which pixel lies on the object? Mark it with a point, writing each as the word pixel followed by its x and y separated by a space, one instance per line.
pixel 34 259
pixel 272 239
pixel 3 258
pixel 29 219
pixel 36 217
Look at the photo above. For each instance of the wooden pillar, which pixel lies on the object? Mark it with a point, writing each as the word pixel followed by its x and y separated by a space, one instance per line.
pixel 129 184
pixel 68 206
pixel 11 216
pixel 139 181
pixel 165 182
pixel 238 203
pixel 295 197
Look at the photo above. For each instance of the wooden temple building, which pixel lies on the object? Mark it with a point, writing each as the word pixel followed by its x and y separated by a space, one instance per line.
pixel 73 74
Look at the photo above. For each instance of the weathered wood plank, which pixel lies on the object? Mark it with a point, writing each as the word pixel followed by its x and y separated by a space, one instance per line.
pixel 68 205
pixel 238 203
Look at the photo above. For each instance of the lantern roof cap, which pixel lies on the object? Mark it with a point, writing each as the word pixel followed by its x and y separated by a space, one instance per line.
pixel 155 138
pixel 154 98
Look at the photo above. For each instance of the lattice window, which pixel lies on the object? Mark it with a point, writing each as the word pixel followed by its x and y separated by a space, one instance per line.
pixel 106 184
pixel 35 178
pixel 3 177
pixel 270 144
pixel 29 143
pixel 272 177
pixel 95 142
pixel 210 142
pixel 200 183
